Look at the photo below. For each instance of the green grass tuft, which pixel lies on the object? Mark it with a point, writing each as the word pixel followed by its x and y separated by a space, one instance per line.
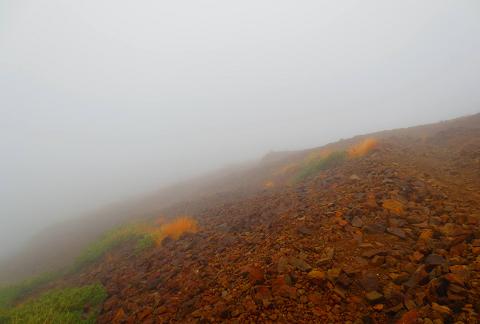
pixel 313 167
pixel 111 240
pixel 64 306
pixel 144 243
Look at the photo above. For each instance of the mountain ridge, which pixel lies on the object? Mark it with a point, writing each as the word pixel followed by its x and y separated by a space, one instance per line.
pixel 390 235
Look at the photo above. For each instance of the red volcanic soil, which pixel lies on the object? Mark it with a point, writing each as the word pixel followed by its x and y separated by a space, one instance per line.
pixel 392 236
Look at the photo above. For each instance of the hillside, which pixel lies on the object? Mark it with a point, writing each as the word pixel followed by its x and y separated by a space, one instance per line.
pixel 375 229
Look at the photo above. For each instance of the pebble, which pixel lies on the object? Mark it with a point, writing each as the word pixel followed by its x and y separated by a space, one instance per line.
pixel 373 296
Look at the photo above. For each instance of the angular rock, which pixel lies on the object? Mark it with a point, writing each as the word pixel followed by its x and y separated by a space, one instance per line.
pixel 410 317
pixel 305 230
pixel 374 228
pixel 400 277
pixel 476 243
pixel 300 264
pixel 354 177
pixel 394 206
pixel 378 260
pixel 396 222
pixel 146 312
pixel 328 253
pixel 379 307
pixel 316 274
pixel 344 280
pixel 282 265
pixel 369 281
pixel 426 235
pixel 372 253
pixel 397 232
pixel 435 259
pixel 357 222
pixel 371 201
pixel 417 256
pixel 333 274
pixel 255 274
pixel 419 277
pixel 263 295
pixel 451 229
pixel 285 291
pixel 282 280
pixel 119 316
pixel 444 310
pixel 373 296
pixel 315 298
pixel 340 292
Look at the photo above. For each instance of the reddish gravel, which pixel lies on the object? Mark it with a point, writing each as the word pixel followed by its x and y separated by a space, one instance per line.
pixel 390 237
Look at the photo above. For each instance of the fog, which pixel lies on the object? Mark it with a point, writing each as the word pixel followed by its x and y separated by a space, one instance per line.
pixel 104 100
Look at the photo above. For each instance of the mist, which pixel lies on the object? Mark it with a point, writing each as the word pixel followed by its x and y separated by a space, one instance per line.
pixel 101 101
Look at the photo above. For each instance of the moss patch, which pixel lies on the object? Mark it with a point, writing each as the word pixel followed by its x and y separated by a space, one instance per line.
pixel 69 305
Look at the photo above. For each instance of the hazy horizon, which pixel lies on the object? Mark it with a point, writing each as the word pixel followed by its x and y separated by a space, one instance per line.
pixel 102 101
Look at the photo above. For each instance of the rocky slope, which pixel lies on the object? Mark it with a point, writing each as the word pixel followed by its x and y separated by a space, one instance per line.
pixel 392 236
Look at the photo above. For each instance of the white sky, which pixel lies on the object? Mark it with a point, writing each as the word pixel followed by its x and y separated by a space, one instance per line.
pixel 104 99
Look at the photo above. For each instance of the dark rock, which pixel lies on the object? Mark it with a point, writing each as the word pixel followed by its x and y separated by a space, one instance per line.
pixel 378 260
pixel 374 228
pixel 396 222
pixel 372 253
pixel 333 274
pixel 255 275
pixel 410 317
pixel 317 275
pixel 419 277
pixel 395 309
pixel 369 281
pixel 300 264
pixel 327 256
pixel 339 292
pixel 186 308
pixel 282 265
pixel 444 310
pixel 373 296
pixel 357 222
pixel 305 230
pixel 397 232
pixel 401 278
pixel 344 280
pixel 263 295
pixel 354 177
pixel 435 259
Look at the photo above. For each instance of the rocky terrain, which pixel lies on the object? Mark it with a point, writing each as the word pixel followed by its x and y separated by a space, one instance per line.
pixel 389 237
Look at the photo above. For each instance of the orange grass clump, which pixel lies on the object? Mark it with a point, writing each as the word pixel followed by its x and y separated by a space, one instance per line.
pixel 268 184
pixel 363 148
pixel 179 226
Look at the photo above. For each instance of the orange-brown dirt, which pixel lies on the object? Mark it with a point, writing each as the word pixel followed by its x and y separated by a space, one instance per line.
pixel 391 236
